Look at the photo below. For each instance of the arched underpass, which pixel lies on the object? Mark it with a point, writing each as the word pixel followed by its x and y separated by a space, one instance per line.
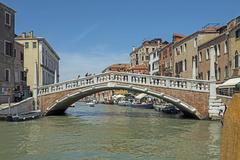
pixel 64 102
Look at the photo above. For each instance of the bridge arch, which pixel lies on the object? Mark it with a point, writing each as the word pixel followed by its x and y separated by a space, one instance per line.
pixel 65 100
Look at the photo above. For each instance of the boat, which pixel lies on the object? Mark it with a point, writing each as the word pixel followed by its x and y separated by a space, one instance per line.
pixel 91 104
pixel 124 103
pixel 142 105
pixel 170 109
pixel 24 117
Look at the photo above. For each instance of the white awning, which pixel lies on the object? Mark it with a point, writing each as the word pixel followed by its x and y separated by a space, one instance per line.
pixel 229 83
pixel 120 96
pixel 140 96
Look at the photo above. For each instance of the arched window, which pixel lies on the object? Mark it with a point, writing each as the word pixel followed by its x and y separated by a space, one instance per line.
pixel 236 59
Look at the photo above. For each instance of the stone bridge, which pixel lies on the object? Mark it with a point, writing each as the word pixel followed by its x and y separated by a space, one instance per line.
pixel 192 97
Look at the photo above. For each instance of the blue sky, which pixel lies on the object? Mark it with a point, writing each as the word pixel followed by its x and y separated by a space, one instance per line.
pixel 89 35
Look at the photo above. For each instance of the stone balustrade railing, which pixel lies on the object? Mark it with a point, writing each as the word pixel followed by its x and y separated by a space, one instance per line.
pixel 128 78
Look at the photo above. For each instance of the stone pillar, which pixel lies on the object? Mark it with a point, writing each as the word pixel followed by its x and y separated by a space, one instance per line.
pixel 212 74
pixel 35 86
pixel 55 77
pixel 215 105
pixel 193 68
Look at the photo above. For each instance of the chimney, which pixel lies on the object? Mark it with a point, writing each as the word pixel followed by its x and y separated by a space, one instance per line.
pixel 30 34
pixel 133 48
pixel 24 35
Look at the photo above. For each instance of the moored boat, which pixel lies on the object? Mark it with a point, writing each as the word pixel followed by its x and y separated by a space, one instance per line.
pixel 91 104
pixel 143 106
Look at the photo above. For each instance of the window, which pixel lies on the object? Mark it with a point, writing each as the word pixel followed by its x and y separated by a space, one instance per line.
pixel 218 49
pixel 7 18
pixel 34 44
pixel 147 58
pixel 153 49
pixel 22 76
pixel 225 47
pixel 8 48
pixel 200 57
pixel 226 72
pixel 21 56
pixel 208 75
pixel 7 75
pixel 195 43
pixel 147 50
pixel 236 60
pixel 207 54
pixel 237 33
pixel 185 47
pixel 181 49
pixel 14 52
pixel 26 44
pixel 184 65
pixel 218 74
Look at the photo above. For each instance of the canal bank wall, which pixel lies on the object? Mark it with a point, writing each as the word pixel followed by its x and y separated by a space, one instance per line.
pixel 22 107
pixel 230 141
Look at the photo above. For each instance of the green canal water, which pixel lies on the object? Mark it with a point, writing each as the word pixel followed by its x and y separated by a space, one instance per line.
pixel 108 132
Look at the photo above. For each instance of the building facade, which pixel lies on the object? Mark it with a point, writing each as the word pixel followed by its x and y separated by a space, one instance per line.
pixel 185 51
pixel 38 50
pixel 221 59
pixel 233 31
pixel 154 63
pixel 19 72
pixel 141 55
pixel 7 34
pixel 166 58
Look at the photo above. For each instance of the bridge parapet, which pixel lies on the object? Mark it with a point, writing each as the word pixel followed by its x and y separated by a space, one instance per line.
pixel 129 78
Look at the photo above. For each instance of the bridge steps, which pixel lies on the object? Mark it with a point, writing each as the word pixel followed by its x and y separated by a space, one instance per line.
pixel 215 106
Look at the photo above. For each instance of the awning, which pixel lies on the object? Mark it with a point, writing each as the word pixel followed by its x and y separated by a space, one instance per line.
pixel 140 96
pixel 120 96
pixel 229 83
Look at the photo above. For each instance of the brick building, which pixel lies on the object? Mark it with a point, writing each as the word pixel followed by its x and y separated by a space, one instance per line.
pixel 166 58
pixel 7 34
pixel 185 51
pixel 221 58
pixel 233 31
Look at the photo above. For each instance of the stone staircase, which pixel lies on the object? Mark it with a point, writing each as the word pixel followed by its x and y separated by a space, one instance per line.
pixel 215 105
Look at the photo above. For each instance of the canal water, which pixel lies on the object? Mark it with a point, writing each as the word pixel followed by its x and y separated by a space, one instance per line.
pixel 108 132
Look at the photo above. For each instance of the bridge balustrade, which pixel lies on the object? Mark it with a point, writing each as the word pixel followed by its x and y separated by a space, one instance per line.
pixel 128 78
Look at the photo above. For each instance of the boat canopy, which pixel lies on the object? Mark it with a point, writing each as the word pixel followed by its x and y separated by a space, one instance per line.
pixel 229 83
pixel 140 96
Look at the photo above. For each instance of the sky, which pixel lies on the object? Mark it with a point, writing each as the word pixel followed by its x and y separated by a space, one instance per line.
pixel 90 35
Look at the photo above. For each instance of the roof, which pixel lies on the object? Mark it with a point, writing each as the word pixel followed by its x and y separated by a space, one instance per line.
pixel 207 30
pixel 117 66
pixel 139 67
pixel 39 39
pixel 8 8
pixel 229 83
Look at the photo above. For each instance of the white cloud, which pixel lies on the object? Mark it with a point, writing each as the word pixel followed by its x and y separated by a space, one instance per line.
pixel 74 64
